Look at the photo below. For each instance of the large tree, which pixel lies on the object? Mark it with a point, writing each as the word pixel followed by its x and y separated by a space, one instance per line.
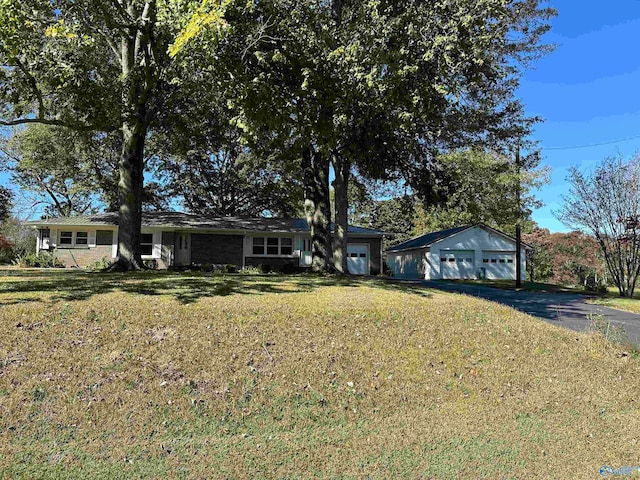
pixel 605 203
pixel 6 203
pixel 478 186
pixel 374 85
pixel 92 65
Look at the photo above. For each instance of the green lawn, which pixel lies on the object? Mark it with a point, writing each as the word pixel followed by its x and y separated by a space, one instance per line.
pixel 612 299
pixel 167 375
pixel 526 286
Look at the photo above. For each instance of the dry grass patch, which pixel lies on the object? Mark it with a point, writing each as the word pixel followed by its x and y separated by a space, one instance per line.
pixel 164 375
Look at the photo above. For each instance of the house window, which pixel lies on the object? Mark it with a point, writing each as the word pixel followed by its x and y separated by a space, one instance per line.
pixel 286 246
pixel 258 246
pixel 82 238
pixel 510 260
pixel 493 260
pixel 502 260
pixel 272 246
pixel 66 238
pixel 452 259
pixel 307 245
pixel 443 259
pixel 104 237
pixel 485 260
pixel 146 244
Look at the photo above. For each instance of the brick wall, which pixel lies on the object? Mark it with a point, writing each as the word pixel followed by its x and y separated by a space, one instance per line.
pixel 217 249
pixel 275 263
pixel 82 257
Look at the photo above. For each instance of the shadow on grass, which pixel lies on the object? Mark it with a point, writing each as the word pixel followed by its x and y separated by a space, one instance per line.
pixel 26 286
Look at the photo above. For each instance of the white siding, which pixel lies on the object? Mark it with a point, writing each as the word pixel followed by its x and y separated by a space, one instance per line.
pixel 478 240
pixel 410 264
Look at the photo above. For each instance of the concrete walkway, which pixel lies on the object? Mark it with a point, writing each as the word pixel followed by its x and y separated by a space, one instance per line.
pixel 567 310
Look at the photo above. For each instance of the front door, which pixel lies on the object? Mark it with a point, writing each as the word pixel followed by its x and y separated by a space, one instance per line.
pixel 183 249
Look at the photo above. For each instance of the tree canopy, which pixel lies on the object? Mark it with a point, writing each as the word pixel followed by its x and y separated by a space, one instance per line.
pixel 605 203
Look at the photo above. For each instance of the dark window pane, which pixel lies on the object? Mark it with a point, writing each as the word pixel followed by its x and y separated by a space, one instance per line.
pixel 452 259
pixel 363 255
pixel 272 242
pixel 104 237
pixel 66 238
pixel 287 242
pixel 146 249
pixel 258 241
pixel 271 250
pixel 146 238
pixel 443 259
pixel 493 260
pixel 485 260
pixel 258 249
pixel 502 260
pixel 509 261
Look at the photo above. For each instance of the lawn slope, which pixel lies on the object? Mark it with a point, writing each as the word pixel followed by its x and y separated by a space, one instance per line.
pixel 160 375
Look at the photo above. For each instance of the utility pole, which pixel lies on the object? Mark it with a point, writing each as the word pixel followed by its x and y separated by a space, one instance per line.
pixel 518 220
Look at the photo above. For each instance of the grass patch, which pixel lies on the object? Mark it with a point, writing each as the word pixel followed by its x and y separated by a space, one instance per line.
pixel 613 300
pixel 160 374
pixel 526 286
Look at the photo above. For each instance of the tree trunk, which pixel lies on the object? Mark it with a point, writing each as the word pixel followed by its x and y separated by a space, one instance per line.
pixel 341 169
pixel 138 80
pixel 317 207
pixel 130 192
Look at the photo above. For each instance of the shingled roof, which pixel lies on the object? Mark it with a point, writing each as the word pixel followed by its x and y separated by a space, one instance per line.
pixel 430 238
pixel 189 221
pixel 427 239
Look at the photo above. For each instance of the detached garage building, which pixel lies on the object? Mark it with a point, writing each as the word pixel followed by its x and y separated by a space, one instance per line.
pixel 469 252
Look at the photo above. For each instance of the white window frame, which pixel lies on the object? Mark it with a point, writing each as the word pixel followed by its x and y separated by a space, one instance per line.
pixel 85 240
pixel 265 247
pixel 152 243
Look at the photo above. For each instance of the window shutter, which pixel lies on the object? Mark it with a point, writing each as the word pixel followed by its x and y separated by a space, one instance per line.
pixel 54 238
pixel 92 238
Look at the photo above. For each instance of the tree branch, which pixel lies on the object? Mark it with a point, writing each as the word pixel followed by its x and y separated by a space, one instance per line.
pixel 44 121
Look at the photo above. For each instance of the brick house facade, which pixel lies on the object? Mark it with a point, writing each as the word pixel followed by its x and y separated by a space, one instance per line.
pixel 179 240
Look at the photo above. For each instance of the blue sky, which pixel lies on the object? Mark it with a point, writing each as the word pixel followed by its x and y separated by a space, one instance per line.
pixel 586 91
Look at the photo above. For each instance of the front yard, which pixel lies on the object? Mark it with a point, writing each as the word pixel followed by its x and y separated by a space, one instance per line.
pixel 167 375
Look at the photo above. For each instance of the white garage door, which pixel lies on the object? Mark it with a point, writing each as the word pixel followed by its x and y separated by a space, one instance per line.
pixel 358 259
pixel 457 264
pixel 499 265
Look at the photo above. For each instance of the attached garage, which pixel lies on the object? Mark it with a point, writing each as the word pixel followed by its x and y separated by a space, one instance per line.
pixel 468 252
pixel 358 259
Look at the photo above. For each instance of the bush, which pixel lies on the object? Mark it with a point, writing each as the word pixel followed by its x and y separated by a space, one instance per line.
pixel 39 260
pixel 101 264
pixel 151 264
pixel 250 271
pixel 228 268
pixel 264 268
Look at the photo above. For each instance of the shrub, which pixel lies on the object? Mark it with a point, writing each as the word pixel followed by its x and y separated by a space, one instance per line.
pixel 151 264
pixel 101 264
pixel 250 271
pixel 39 260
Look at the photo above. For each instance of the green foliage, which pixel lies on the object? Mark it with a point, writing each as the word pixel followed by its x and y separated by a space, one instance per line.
pixel 6 200
pixel 477 186
pixel 605 203
pixel 39 260
pixel 100 265
pixel 18 240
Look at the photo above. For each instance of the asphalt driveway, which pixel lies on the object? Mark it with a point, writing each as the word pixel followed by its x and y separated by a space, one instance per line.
pixel 567 310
